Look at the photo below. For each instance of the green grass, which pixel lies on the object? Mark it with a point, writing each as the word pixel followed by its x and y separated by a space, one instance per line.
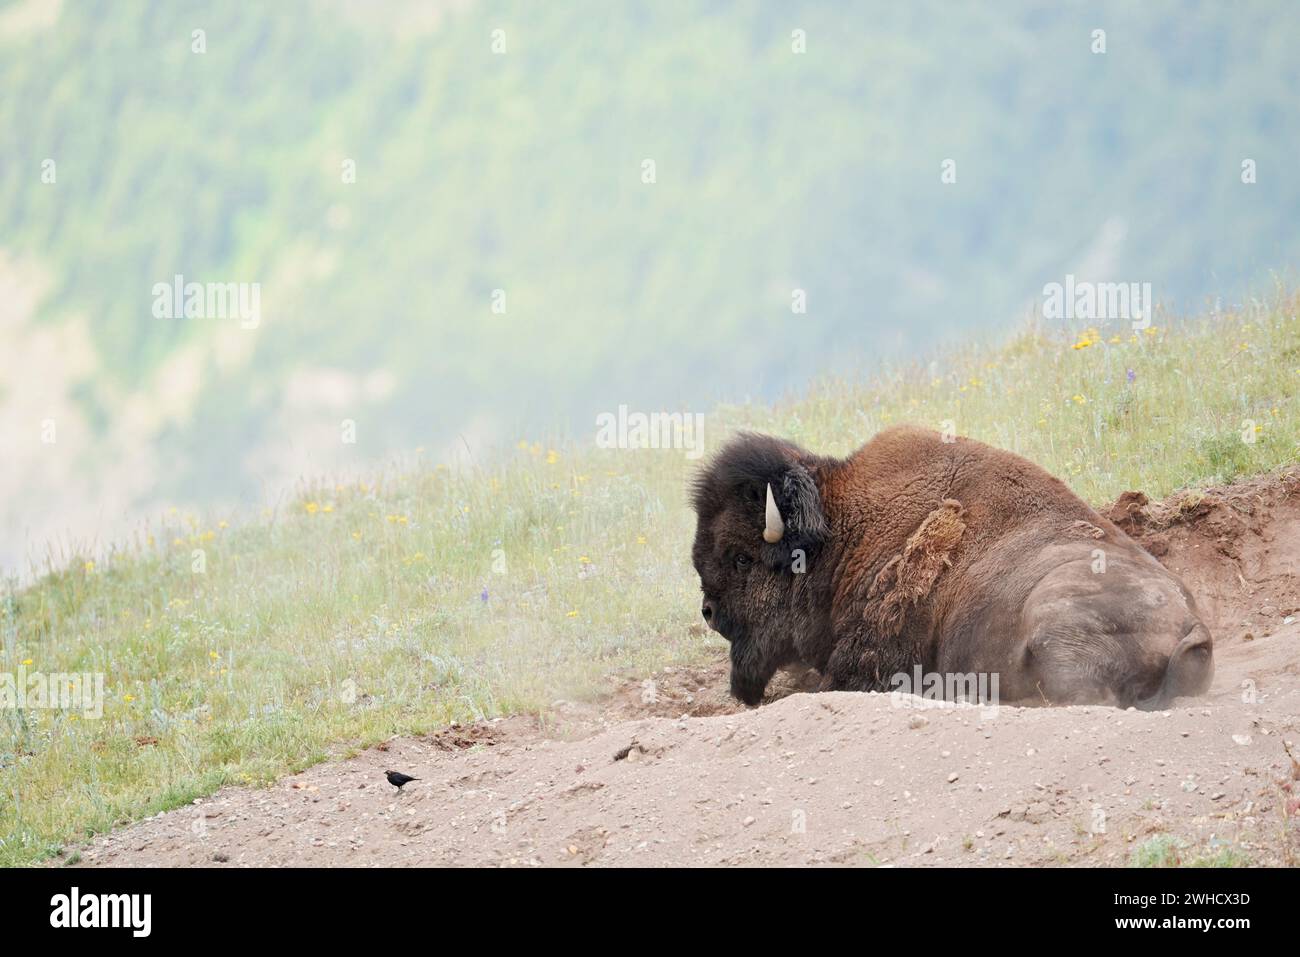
pixel 1159 851
pixel 355 612
pixel 1162 850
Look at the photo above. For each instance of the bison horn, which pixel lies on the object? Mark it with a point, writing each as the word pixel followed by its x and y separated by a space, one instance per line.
pixel 775 527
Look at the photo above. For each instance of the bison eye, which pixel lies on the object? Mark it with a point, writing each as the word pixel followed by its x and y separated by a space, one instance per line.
pixel 743 561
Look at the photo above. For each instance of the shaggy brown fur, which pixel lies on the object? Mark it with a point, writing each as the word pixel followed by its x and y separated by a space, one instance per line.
pixel 950 555
pixel 909 576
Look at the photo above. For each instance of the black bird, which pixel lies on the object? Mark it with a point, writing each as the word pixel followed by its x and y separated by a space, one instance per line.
pixel 397 779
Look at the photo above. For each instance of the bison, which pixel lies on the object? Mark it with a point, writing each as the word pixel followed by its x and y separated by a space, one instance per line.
pixel 939 554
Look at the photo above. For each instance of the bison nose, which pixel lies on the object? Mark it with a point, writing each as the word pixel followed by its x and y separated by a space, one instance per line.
pixel 708 611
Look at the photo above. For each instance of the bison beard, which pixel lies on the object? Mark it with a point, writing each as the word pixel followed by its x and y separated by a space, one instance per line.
pixel 948 555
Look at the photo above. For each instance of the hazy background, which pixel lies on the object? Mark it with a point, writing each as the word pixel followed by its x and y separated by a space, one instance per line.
pixel 522 171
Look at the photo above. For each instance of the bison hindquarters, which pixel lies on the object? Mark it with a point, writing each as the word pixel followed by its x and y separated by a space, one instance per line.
pixel 1129 635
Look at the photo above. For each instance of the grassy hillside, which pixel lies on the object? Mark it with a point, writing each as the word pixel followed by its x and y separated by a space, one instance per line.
pixel 354 612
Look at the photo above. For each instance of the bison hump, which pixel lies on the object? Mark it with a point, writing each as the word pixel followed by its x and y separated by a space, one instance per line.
pixel 910 575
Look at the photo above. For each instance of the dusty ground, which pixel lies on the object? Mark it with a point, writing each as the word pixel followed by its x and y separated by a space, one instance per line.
pixel 673 772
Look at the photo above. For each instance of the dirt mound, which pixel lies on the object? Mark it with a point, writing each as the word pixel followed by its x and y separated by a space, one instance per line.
pixel 670 770
pixel 1237 547
pixel 834 778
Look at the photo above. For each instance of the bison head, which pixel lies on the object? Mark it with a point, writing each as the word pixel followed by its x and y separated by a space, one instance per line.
pixel 759 527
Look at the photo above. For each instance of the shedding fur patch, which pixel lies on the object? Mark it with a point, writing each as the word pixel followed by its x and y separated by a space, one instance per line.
pixel 1086 528
pixel 910 575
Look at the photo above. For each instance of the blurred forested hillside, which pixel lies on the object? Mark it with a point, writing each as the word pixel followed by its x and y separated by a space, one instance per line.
pixel 514 161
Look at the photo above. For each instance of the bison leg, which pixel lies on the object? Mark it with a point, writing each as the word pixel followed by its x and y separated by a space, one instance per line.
pixel 866 661
pixel 1190 668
